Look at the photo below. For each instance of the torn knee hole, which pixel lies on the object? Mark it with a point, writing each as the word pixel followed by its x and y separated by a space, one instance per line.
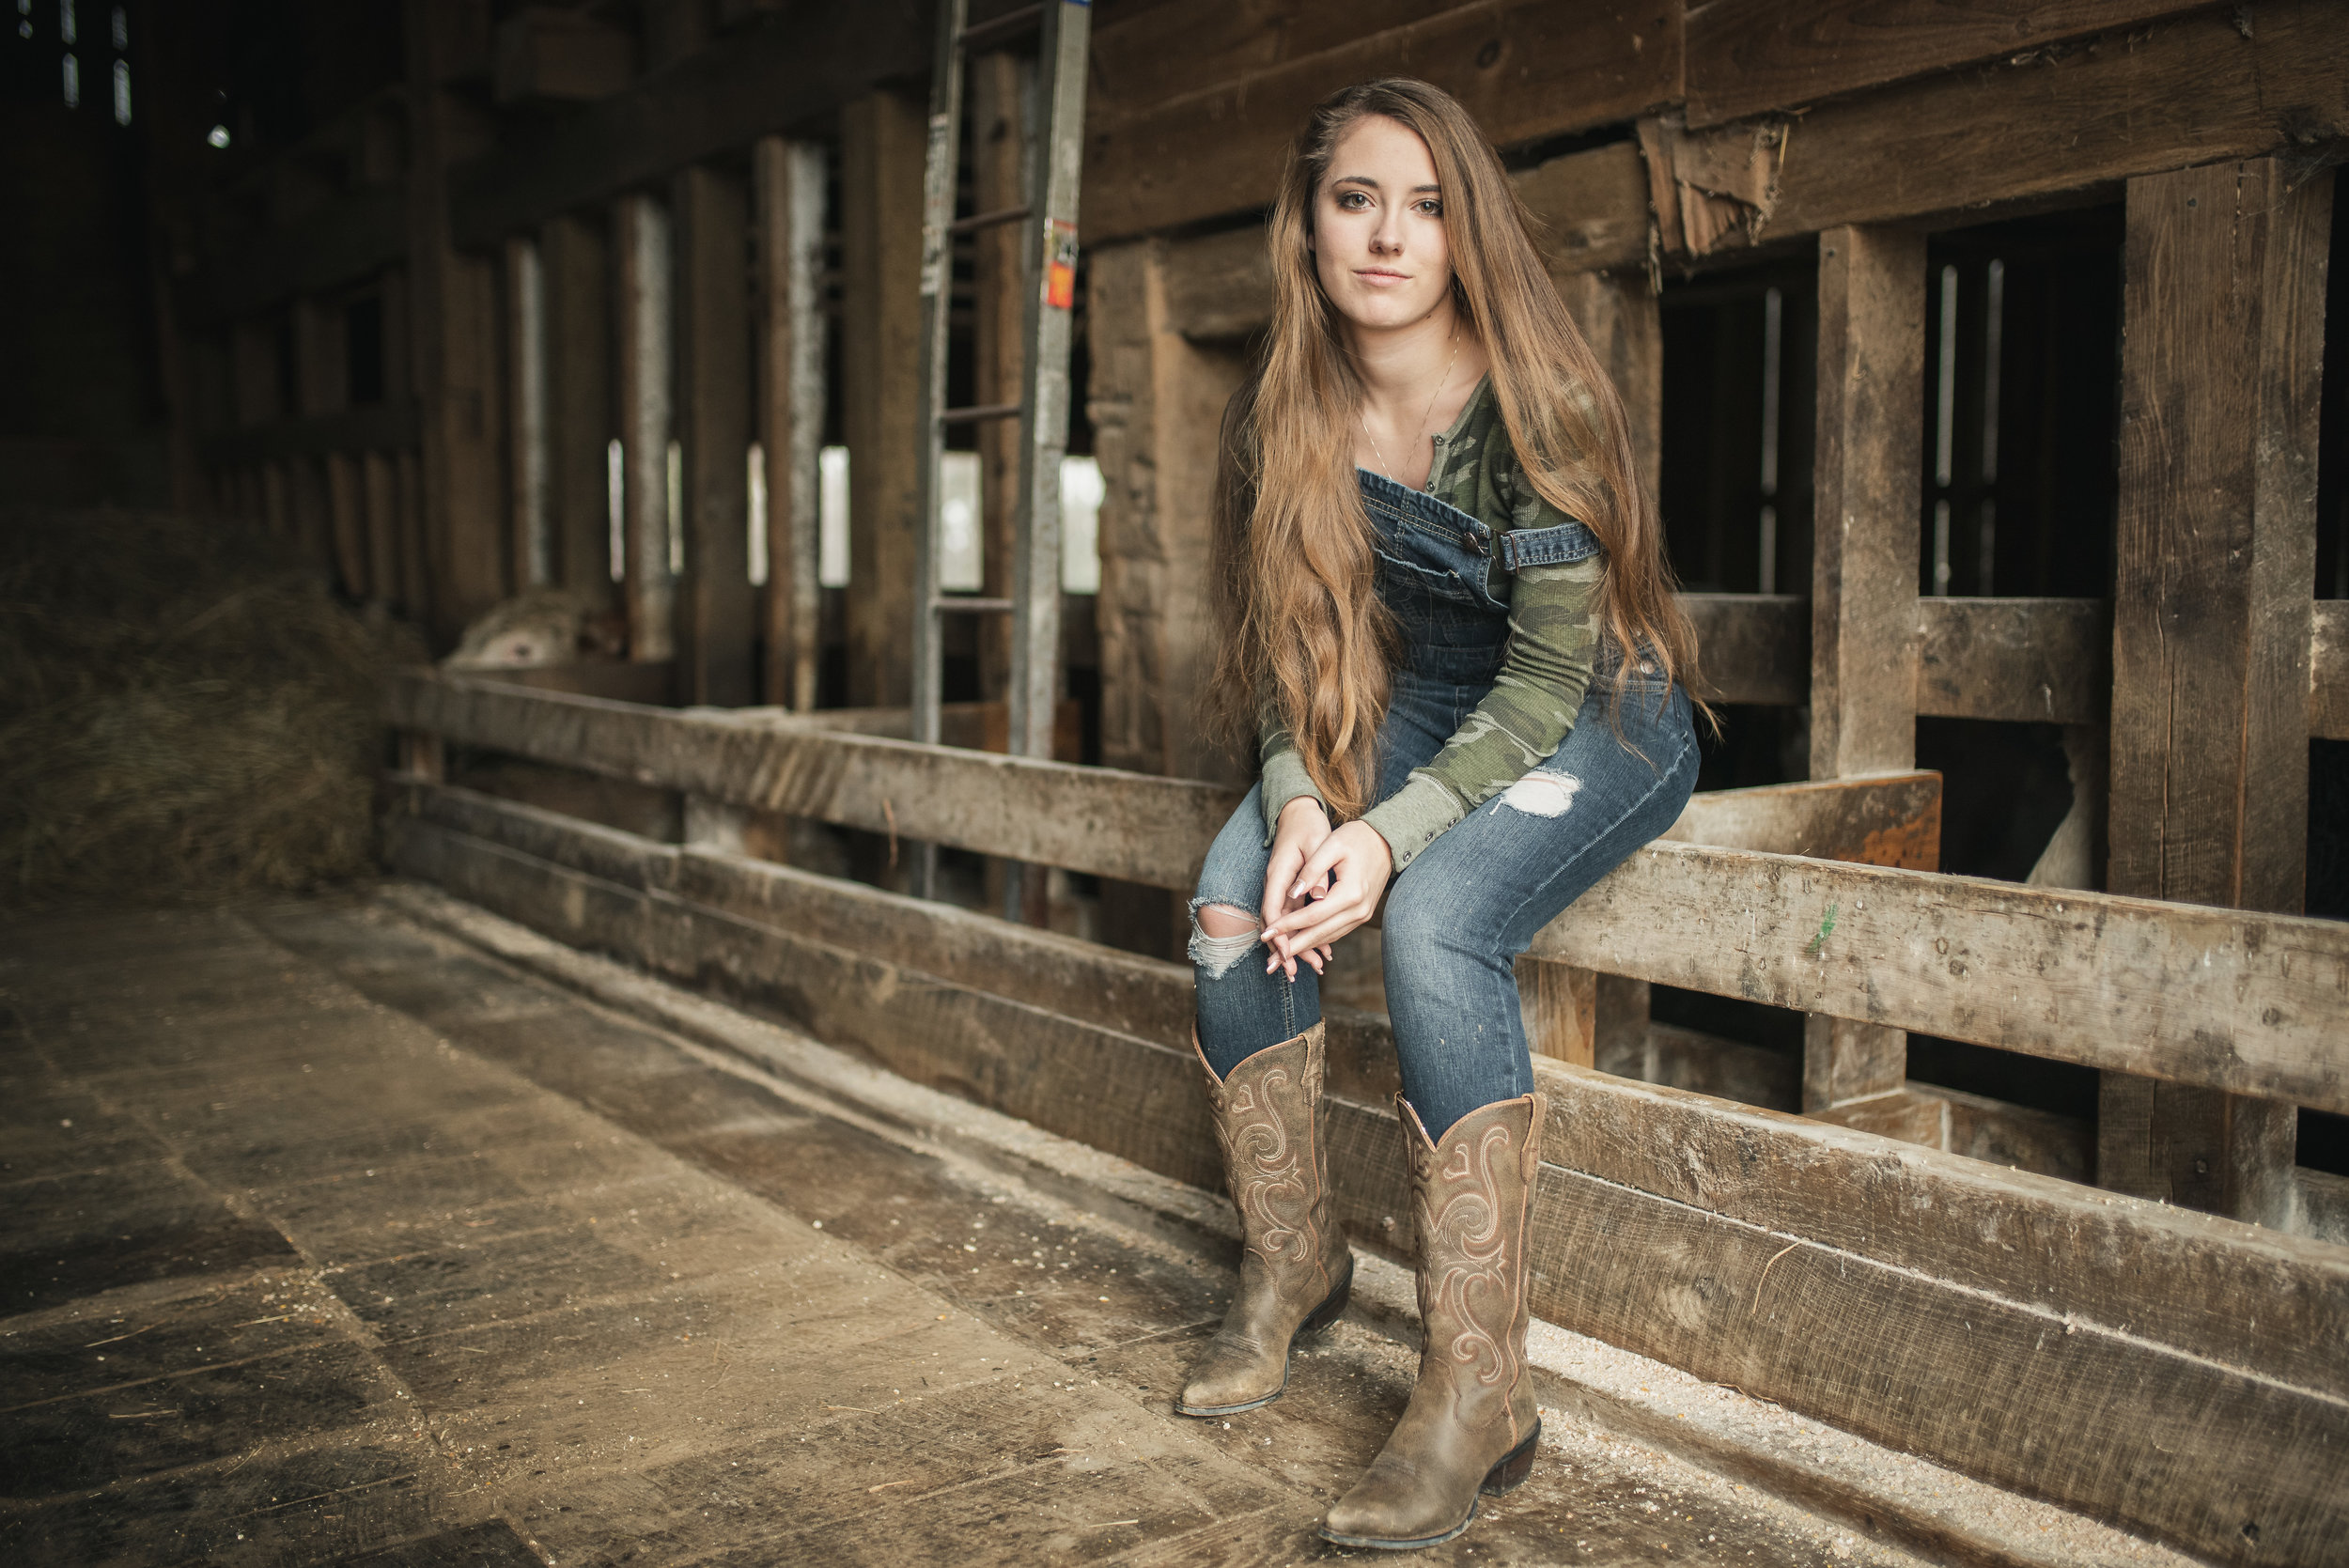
pixel 1220 937
pixel 1224 920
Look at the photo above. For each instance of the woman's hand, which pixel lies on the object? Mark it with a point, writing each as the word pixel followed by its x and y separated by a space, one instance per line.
pixel 1301 828
pixel 1335 891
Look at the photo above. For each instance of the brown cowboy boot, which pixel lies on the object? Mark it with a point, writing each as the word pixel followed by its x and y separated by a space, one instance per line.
pixel 1297 1270
pixel 1471 1424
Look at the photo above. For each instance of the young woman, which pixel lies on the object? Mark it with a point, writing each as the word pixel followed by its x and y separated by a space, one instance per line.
pixel 1445 615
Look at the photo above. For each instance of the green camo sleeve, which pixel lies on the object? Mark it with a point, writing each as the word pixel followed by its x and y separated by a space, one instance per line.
pixel 1531 708
pixel 1284 775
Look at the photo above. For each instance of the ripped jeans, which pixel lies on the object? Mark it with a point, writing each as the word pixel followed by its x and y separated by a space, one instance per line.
pixel 1460 914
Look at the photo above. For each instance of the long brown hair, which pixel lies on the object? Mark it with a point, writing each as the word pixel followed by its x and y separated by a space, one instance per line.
pixel 1299 625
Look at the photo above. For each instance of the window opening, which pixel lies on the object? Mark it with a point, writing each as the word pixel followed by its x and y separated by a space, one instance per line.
pixel 755 476
pixel 615 507
pixel 832 517
pixel 216 137
pixel 961 556
pixel 69 31
pixel 1080 492
pixel 676 509
pixel 1944 430
pixel 121 28
pixel 72 82
pixel 1773 345
pixel 122 92
pixel 1993 318
pixel 24 19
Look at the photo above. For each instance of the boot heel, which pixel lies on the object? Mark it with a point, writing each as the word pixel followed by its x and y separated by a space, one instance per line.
pixel 1511 1472
pixel 1334 1305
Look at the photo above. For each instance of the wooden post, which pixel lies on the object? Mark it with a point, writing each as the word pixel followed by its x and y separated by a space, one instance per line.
pixel 380 515
pixel 640 242
pixel 2223 337
pixel 526 462
pixel 881 142
pixel 451 302
pixel 788 191
pixel 415 577
pixel 713 380
pixel 1863 576
pixel 346 525
pixel 1618 315
pixel 574 274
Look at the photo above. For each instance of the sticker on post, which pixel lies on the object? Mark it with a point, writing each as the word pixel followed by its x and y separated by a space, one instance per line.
pixel 1060 265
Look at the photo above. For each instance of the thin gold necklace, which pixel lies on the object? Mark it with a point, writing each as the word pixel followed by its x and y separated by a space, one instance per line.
pixel 1423 416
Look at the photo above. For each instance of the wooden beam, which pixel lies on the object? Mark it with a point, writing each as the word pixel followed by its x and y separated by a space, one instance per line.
pixel 576 269
pixel 780 75
pixel 788 180
pixel 2165 1377
pixel 2220 379
pixel 1747 56
pixel 642 298
pixel 881 143
pixel 713 388
pixel 2097 979
pixel 1863 575
pixel 2025 660
pixel 347 525
pixel 379 515
pixel 1889 819
pixel 1524 69
pixel 2075 118
pixel 1618 315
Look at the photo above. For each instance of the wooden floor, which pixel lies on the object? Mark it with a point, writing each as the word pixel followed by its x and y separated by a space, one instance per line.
pixel 331 1239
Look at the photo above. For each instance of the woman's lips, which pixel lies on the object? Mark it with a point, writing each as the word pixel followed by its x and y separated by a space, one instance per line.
pixel 1373 274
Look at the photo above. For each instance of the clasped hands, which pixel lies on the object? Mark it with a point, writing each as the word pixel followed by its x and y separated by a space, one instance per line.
pixel 1320 884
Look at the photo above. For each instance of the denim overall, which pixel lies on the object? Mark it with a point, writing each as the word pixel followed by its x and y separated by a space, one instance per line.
pixel 1460 914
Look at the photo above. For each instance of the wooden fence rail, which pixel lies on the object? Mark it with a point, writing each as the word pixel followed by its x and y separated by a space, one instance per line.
pixel 2247 1003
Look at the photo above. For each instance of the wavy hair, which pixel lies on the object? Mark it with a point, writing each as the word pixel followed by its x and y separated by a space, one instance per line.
pixel 1301 632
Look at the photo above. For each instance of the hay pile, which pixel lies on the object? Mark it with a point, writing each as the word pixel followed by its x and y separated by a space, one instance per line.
pixel 184 712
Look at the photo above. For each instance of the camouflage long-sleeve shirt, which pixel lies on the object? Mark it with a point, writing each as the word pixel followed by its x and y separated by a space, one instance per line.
pixel 1553 632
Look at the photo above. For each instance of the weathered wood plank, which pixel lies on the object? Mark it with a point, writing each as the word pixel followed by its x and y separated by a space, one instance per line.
pixel 1894 1290
pixel 2328 664
pixel 577 267
pixel 1747 56
pixel 2214 550
pixel 1525 69
pixel 1890 819
pixel 2252 1003
pixel 1863 570
pixel 2188 90
pixel 2040 660
pixel 2242 1002
pixel 1044 813
pixel 379 426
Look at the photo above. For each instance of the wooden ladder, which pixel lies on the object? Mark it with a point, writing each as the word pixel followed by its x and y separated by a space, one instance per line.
pixel 1055 154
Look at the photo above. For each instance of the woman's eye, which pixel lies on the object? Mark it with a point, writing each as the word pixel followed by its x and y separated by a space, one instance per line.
pixel 1431 207
pixel 1353 201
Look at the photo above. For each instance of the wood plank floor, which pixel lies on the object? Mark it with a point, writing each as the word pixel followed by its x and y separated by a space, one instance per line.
pixel 329 1239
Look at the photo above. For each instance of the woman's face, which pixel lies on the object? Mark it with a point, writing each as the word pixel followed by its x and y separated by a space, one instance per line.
pixel 1378 238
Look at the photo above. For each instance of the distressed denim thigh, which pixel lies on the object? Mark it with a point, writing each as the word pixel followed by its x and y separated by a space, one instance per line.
pixel 1473 899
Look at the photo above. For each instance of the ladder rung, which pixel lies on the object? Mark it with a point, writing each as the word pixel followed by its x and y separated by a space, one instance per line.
pixel 979 415
pixel 970 604
pixel 986 220
pixel 1001 29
